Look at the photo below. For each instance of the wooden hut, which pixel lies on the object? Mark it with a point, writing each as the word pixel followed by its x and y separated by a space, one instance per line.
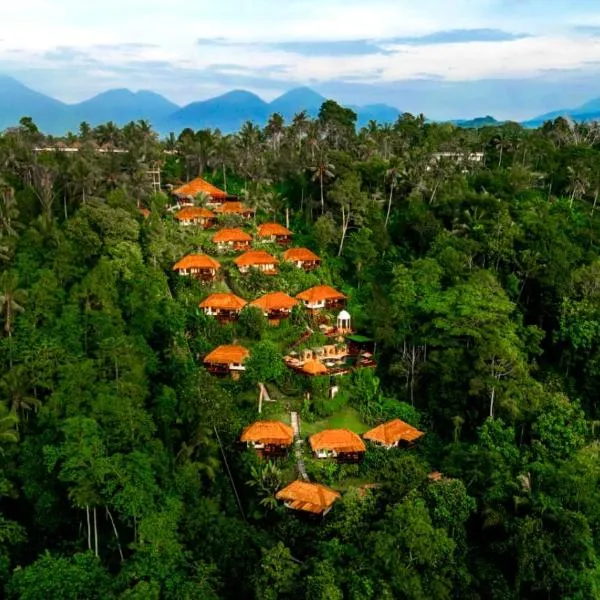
pixel 303 258
pixel 257 259
pixel 235 208
pixel 195 215
pixel 393 434
pixel 314 368
pixel 194 188
pixel 274 233
pixel 322 297
pixel 201 266
pixel 226 360
pixel 232 239
pixel 276 305
pixel 342 444
pixel 312 498
pixel 226 307
pixel 272 438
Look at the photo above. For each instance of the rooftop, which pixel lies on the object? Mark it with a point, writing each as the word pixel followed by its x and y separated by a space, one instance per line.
pixel 314 367
pixel 275 301
pixel 200 186
pixel 269 229
pixel 255 257
pixel 309 497
pixel 233 208
pixel 268 432
pixel 231 235
pixel 300 254
pixel 339 440
pixel 196 261
pixel 320 293
pixel 227 354
pixel 194 212
pixel 393 431
pixel 223 301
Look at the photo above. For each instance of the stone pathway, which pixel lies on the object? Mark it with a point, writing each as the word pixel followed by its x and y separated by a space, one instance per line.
pixel 298 446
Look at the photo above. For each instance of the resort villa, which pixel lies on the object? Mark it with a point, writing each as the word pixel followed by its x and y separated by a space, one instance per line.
pixel 342 444
pixel 393 434
pixel 332 359
pixel 303 258
pixel 226 307
pixel 190 191
pixel 195 215
pixel 232 239
pixel 201 266
pixel 257 259
pixel 322 297
pixel 235 208
pixel 271 438
pixel 274 233
pixel 226 360
pixel 276 305
pixel 312 498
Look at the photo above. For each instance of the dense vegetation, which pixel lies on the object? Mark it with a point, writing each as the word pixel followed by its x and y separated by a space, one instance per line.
pixel 479 281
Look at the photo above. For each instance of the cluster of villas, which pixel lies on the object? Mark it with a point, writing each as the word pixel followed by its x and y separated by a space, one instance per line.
pixel 275 438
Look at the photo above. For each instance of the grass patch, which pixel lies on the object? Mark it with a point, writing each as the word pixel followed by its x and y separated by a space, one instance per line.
pixel 346 418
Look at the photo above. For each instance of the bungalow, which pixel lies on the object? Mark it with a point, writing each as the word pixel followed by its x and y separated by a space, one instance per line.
pixel 226 307
pixel 276 305
pixel 393 433
pixel 258 259
pixel 303 258
pixel 235 208
pixel 226 360
pixel 232 239
pixel 322 296
pixel 195 215
pixel 194 188
pixel 274 233
pixel 343 444
pixel 198 265
pixel 312 498
pixel 268 437
pixel 314 368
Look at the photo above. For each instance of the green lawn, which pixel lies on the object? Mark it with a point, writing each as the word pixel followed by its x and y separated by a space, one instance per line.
pixel 346 418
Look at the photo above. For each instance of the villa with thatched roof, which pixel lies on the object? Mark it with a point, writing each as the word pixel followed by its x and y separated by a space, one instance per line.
pixel 226 307
pixel 312 498
pixel 276 305
pixel 322 297
pixel 201 266
pixel 257 259
pixel 195 215
pixel 235 208
pixel 199 186
pixel 342 444
pixel 227 360
pixel 232 239
pixel 268 437
pixel 274 233
pixel 393 434
pixel 303 258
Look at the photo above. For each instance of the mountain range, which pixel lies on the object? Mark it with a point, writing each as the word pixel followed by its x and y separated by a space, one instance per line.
pixel 227 112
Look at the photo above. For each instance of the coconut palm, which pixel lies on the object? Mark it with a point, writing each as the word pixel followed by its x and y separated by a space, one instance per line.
pixel 12 299
pixel 321 171
pixel 394 174
pixel 8 423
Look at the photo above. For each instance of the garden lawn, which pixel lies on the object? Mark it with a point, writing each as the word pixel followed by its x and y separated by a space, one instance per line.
pixel 346 418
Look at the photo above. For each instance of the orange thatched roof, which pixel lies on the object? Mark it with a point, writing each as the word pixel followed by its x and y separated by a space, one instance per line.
pixel 314 367
pixel 144 212
pixel 197 261
pixel 268 432
pixel 339 440
pixel 309 497
pixel 275 301
pixel 393 431
pixel 224 355
pixel 319 293
pixel 233 208
pixel 300 254
pixel 194 212
pixel 200 186
pixel 255 257
pixel 231 235
pixel 269 229
pixel 224 302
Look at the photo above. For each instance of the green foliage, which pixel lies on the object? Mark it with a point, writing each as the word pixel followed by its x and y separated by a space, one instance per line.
pixel 265 363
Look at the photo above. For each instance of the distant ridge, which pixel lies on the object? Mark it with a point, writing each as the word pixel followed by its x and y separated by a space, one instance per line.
pixel 590 111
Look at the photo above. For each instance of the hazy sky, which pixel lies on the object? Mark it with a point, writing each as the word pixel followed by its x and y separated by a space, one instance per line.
pixel 447 58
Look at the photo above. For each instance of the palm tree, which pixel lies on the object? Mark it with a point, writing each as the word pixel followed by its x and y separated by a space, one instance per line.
pixel 13 387
pixel 11 299
pixel 8 210
pixel 267 480
pixel 8 422
pixel 322 171
pixel 394 174
pixel 274 129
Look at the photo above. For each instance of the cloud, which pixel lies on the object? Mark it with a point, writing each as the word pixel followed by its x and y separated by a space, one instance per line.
pixel 459 36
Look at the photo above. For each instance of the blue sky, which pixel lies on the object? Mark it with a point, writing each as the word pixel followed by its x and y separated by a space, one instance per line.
pixel 446 58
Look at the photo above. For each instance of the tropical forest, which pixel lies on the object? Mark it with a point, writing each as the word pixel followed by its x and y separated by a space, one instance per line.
pixel 309 361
